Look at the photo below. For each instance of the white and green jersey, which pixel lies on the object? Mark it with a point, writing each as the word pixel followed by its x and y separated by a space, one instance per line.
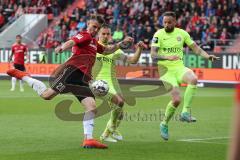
pixel 171 44
pixel 105 69
pixel 105 65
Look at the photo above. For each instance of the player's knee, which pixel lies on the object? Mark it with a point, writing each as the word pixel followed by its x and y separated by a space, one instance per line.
pixel 176 101
pixel 120 102
pixel 194 81
pixel 90 105
pixel 46 96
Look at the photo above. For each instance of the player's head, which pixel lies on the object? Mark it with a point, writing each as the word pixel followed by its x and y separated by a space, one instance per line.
pixel 94 24
pixel 104 34
pixel 169 21
pixel 18 38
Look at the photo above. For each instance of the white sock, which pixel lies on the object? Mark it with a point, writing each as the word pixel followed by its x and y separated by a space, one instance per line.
pixel 37 85
pixel 88 124
pixel 14 80
pixel 21 84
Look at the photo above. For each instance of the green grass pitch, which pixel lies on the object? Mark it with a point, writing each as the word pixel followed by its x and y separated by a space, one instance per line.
pixel 30 130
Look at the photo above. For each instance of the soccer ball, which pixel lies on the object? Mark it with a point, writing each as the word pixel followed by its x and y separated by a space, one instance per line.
pixel 99 87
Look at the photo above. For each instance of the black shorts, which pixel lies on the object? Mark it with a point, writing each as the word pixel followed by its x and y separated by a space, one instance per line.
pixel 70 79
pixel 19 67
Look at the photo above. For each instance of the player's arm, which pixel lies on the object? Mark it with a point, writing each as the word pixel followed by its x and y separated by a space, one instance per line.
pixel 198 50
pixel 11 55
pixel 120 45
pixel 65 46
pixel 133 59
pixel 155 56
pixel 81 39
pixel 26 54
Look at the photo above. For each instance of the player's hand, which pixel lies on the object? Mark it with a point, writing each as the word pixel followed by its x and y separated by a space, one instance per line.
pixel 126 43
pixel 128 40
pixel 141 45
pixel 213 58
pixel 10 59
pixel 173 58
pixel 58 50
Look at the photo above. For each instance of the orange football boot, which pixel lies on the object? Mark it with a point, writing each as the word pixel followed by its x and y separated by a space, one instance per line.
pixel 92 143
pixel 17 73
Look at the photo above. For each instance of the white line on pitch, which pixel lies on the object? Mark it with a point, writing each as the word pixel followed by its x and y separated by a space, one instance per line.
pixel 203 139
pixel 203 142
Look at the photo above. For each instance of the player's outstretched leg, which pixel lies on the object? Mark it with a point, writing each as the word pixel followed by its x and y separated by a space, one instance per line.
pixel 170 110
pixel 88 125
pixel 191 79
pixel 37 85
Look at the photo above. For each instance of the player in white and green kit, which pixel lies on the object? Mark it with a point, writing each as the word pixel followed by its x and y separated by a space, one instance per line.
pixel 104 69
pixel 167 49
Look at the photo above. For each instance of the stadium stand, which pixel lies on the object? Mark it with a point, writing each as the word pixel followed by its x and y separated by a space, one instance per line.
pixel 210 23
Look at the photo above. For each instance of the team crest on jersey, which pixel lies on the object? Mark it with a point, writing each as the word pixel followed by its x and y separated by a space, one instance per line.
pixel 155 40
pixel 179 38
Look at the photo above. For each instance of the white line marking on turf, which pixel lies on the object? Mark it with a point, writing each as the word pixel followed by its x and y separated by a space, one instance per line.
pixel 204 140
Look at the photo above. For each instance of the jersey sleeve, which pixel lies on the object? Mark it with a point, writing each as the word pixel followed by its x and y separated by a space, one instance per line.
pixel 100 48
pixel 82 39
pixel 119 55
pixel 187 39
pixel 156 40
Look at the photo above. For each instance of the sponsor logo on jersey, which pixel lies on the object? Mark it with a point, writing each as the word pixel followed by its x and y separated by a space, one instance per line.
pixel 105 59
pixel 172 50
pixel 179 38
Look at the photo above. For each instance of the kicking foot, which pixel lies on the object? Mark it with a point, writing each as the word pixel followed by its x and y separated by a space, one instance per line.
pixel 92 143
pixel 17 73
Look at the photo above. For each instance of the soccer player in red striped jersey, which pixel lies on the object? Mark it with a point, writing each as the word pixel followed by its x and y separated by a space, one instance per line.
pixel 74 75
pixel 19 51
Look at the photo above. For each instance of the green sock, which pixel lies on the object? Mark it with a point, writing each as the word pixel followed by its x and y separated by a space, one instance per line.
pixel 120 117
pixel 188 96
pixel 170 110
pixel 113 121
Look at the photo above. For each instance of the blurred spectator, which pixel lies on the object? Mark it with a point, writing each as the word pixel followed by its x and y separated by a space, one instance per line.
pixel 204 20
pixel 64 33
pixel 81 24
pixel 2 20
pixel 117 34
pixel 57 31
pixel 72 32
pixel 147 36
pixel 207 45
pixel 224 37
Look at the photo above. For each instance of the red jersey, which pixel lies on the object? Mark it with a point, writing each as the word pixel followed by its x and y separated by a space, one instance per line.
pixel 18 51
pixel 84 52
